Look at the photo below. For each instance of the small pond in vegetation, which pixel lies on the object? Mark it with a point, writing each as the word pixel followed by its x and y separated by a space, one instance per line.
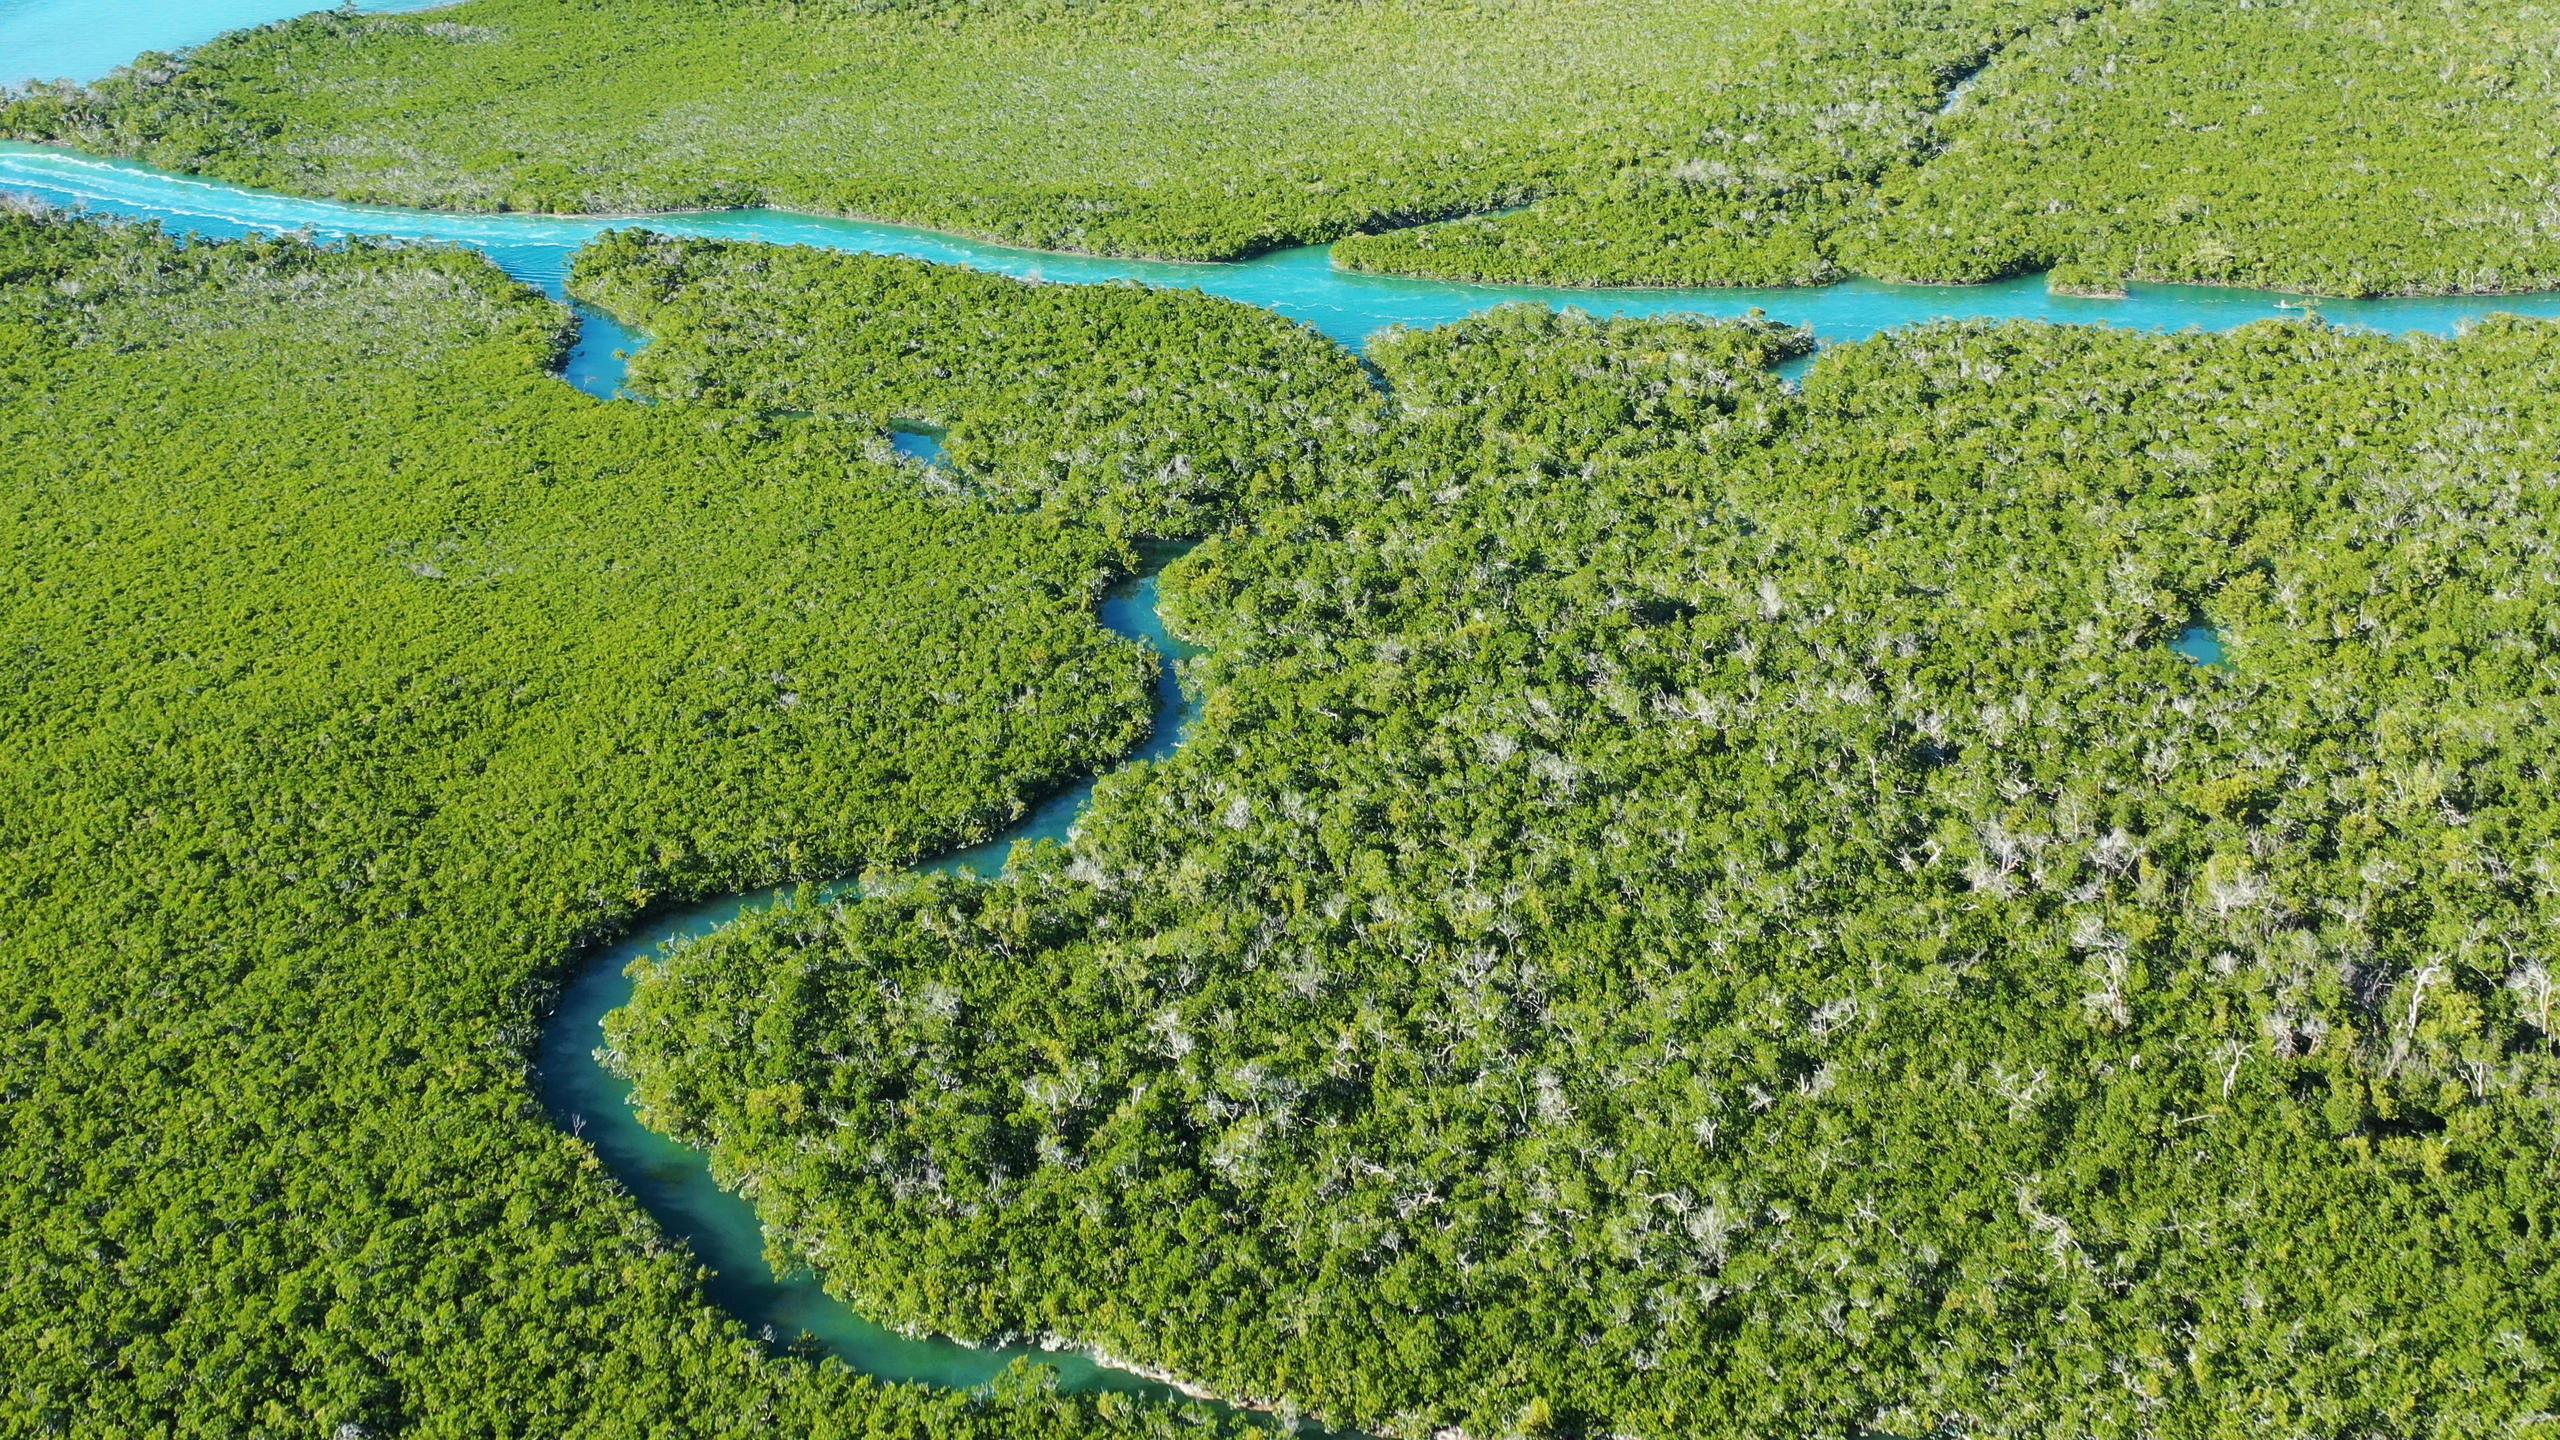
pixel 917 443
pixel 601 356
pixel 2200 644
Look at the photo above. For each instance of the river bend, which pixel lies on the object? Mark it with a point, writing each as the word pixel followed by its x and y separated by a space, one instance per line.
pixel 672 1181
pixel 81 39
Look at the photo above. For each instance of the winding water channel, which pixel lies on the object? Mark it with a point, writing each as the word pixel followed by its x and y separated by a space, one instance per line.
pixel 81 38
pixel 1300 283
pixel 673 1182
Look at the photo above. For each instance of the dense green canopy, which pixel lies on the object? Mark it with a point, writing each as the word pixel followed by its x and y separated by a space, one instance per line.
pixel 357 672
pixel 1699 910
pixel 2328 148
pixel 1692 908
pixel 2313 145
pixel 1164 412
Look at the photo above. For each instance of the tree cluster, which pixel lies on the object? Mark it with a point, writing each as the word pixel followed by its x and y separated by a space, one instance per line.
pixel 356 673
pixel 2306 145
pixel 1152 412
pixel 1699 909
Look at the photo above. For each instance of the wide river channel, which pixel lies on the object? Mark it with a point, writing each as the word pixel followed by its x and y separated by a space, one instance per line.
pixel 82 39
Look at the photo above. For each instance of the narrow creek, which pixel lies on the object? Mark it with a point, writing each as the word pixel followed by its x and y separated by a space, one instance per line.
pixel 668 1179
pixel 672 1181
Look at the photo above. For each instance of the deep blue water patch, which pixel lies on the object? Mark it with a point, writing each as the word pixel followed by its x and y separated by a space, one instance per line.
pixel 2200 644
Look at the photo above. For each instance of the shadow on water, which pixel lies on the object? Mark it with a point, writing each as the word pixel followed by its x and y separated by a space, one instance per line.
pixel 672 1181
pixel 1793 367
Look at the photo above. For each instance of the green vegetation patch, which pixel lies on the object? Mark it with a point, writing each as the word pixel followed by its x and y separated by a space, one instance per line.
pixel 2299 145
pixel 1699 910
pixel 1201 130
pixel 2307 145
pixel 2302 145
pixel 358 671
pixel 1163 412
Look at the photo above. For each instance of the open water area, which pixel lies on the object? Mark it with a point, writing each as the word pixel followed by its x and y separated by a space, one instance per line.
pixel 83 39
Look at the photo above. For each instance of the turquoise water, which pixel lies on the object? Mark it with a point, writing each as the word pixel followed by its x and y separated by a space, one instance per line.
pixel 916 444
pixel 1299 283
pixel 602 354
pixel 84 39
pixel 673 1181
pixel 1127 610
